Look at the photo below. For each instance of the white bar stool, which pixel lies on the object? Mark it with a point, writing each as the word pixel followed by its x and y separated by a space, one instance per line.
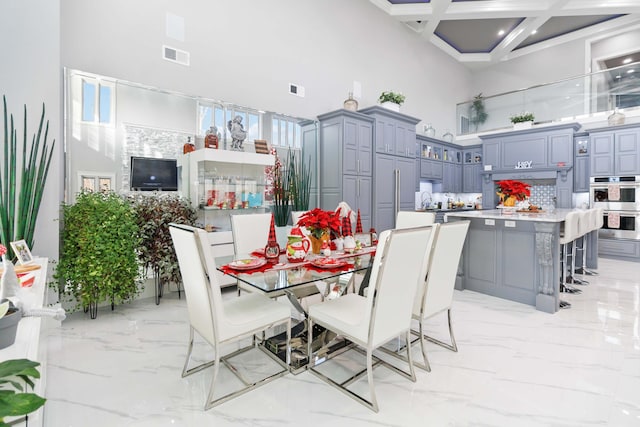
pixel 584 228
pixel 568 235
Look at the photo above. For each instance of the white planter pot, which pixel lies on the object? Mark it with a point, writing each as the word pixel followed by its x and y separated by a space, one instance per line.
pixel 391 106
pixel 522 125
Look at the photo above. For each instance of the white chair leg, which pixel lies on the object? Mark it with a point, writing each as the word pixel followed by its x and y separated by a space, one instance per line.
pixel 454 346
pixel 210 401
pixel 409 355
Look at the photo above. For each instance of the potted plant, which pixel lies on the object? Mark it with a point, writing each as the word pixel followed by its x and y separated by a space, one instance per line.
pixel 98 259
pixel 511 192
pixel 522 120
pixel 478 112
pixel 391 100
pixel 299 181
pixel 280 192
pixel 21 188
pixel 320 224
pixel 156 252
pixel 14 402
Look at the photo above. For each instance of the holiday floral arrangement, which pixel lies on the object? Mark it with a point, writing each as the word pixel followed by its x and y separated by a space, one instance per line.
pixel 3 250
pixel 511 192
pixel 319 222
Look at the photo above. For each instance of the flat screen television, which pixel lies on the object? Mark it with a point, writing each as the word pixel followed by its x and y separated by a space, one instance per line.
pixel 149 174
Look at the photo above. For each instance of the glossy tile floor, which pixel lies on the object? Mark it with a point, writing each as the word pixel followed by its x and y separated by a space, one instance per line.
pixel 515 367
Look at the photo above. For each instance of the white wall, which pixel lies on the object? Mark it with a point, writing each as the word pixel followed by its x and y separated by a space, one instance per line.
pixel 247 52
pixel 31 74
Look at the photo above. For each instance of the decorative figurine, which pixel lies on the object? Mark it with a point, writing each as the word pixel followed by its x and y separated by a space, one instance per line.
pixel 238 134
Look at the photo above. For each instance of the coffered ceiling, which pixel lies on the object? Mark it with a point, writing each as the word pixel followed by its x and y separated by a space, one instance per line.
pixel 485 31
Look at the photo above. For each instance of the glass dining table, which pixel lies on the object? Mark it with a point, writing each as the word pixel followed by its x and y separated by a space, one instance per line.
pixel 328 276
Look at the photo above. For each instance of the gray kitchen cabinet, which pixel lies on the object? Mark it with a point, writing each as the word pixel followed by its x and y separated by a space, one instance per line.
pixel 429 151
pixel 395 133
pixel 532 148
pixel 581 165
pixel 431 170
pixel 394 189
pixel 602 154
pixel 616 151
pixel 346 165
pixel 451 169
pixel 472 169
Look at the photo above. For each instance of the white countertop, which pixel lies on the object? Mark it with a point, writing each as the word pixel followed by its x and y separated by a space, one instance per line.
pixel 557 215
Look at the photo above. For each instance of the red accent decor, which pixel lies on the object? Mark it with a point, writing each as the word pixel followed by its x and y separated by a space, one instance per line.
pixel 359 223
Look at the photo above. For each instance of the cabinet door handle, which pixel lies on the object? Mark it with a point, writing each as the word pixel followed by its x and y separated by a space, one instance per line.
pixel 358 189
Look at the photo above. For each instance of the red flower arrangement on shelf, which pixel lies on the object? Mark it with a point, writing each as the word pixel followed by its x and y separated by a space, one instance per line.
pixel 319 222
pixel 511 192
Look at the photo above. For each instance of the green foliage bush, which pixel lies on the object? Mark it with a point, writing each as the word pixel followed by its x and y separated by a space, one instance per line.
pixel 98 259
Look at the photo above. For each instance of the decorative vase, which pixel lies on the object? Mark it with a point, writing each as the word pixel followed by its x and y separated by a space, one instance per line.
pixel 429 130
pixel 316 243
pixel 391 106
pixel 448 136
pixel 9 326
pixel 616 118
pixel 351 104
pixel 522 125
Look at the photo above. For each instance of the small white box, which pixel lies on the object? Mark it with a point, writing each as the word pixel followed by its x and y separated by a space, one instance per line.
pixel 510 224
pixel 489 222
pixel 488 167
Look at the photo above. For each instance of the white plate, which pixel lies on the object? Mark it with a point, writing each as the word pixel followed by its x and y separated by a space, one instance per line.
pixel 328 263
pixel 248 263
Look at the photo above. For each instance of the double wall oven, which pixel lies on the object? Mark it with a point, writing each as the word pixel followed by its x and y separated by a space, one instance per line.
pixel 619 197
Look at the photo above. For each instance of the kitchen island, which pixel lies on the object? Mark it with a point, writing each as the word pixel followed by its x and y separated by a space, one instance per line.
pixel 515 256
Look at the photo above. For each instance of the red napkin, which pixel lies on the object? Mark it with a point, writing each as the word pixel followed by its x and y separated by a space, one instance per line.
pixel 344 267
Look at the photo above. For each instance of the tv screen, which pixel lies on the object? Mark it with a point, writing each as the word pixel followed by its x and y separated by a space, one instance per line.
pixel 148 174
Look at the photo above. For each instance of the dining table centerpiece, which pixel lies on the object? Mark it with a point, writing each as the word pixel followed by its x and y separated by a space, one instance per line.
pixel 320 224
pixel 513 193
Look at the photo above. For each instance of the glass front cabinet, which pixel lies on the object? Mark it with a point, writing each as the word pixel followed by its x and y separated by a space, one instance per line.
pixel 220 183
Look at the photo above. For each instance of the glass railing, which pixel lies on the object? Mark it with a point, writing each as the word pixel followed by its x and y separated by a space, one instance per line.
pixel 571 99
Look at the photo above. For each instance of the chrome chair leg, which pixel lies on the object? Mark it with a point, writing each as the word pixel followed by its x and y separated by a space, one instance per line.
pixel 210 401
pixel 185 370
pixel 423 348
pixel 372 391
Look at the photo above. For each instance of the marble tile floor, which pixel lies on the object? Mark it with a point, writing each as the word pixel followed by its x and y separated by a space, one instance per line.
pixel 515 367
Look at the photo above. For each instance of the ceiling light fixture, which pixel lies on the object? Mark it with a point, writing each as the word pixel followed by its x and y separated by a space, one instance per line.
pixel 626 60
pixel 631 71
pixel 534 31
pixel 618 76
pixel 501 33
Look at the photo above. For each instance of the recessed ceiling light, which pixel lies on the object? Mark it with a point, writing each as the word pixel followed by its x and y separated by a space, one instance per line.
pixel 631 71
pixel 501 33
pixel 618 76
pixel 534 31
pixel 626 60
pixel 578 84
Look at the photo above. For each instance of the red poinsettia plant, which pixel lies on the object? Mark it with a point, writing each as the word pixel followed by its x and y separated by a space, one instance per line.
pixel 510 188
pixel 3 249
pixel 318 222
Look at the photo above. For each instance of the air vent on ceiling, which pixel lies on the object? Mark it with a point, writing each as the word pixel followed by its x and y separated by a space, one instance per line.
pixel 175 55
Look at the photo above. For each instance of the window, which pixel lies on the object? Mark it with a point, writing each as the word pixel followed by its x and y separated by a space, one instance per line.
pixel 219 115
pixel 285 132
pixel 96 181
pixel 97 101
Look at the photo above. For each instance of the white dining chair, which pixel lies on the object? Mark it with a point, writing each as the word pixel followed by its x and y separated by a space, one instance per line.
pixel 408 219
pixel 385 313
pixel 250 232
pixel 436 294
pixel 221 322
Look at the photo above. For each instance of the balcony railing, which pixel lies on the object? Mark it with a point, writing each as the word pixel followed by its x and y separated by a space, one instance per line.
pixel 571 99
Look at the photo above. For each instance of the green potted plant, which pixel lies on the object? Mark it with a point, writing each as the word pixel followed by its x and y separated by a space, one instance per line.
pixel 391 100
pixel 14 402
pixel 153 214
pixel 280 192
pixel 22 179
pixel 299 181
pixel 98 259
pixel 478 112
pixel 525 117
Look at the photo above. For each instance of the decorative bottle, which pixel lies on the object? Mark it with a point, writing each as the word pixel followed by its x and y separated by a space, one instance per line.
pixel 351 104
pixel 429 130
pixel 188 146
pixel 211 139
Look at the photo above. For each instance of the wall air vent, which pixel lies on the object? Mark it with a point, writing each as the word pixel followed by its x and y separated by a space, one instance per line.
pixel 175 55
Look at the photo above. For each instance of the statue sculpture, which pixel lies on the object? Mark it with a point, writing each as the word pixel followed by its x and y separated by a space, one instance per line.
pixel 238 134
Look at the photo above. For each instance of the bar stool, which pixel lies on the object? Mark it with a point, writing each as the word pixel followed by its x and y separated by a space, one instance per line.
pixel 584 228
pixel 568 235
pixel 593 226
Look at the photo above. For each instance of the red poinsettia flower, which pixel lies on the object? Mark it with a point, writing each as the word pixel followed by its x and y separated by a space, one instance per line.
pixel 3 249
pixel 519 190
pixel 318 221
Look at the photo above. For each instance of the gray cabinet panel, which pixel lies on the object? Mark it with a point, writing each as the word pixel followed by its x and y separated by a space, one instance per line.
pixel 581 174
pixel 385 190
pixel 491 153
pixel 560 149
pixel 364 165
pixel 431 169
pixel 406 167
pixel 533 148
pixel 385 136
pixel 627 152
pixel 357 194
pixel 350 147
pixel 602 154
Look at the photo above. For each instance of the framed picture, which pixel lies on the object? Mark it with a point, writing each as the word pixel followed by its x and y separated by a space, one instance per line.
pixel 22 251
pixel 261 146
pixel 363 238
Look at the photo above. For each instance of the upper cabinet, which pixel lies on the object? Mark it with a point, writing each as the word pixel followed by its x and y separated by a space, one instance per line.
pixel 581 167
pixel 395 133
pixel 541 148
pixel 615 151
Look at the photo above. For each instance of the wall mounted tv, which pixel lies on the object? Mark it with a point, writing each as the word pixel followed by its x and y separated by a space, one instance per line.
pixel 149 174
